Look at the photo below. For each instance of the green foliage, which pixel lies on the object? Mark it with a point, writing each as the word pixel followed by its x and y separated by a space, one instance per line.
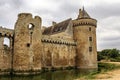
pixel 109 54
pixel 114 53
pixel 117 59
pixel 102 67
pixel 100 56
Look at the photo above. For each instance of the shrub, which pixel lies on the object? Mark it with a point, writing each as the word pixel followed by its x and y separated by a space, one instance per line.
pixel 109 54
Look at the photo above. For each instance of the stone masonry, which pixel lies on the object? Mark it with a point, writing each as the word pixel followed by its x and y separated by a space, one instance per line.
pixel 70 43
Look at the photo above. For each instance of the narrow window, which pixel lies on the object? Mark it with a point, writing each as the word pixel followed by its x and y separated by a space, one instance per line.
pixel 89 28
pixel 0 35
pixel 28 44
pixel 90 49
pixel 90 38
pixel 30 26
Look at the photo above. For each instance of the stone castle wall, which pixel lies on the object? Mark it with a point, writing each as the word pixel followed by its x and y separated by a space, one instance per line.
pixel 5 50
pixel 58 53
pixel 30 51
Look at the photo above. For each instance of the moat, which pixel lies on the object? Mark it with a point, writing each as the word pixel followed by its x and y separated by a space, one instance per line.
pixel 51 75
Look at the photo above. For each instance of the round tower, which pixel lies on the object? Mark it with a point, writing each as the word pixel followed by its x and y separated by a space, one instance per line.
pixel 84 28
pixel 27 44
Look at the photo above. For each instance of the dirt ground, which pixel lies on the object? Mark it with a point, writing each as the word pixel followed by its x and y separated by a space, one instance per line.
pixel 110 75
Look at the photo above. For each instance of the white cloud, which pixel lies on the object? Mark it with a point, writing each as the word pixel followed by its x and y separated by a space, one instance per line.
pixel 107 12
pixel 98 2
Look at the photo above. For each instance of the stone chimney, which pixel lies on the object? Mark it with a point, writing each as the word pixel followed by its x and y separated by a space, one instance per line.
pixel 54 23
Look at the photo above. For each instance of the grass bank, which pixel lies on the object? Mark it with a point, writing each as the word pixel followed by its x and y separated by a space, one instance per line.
pixel 102 68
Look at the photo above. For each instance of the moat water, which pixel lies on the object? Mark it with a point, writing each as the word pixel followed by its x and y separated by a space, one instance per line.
pixel 56 75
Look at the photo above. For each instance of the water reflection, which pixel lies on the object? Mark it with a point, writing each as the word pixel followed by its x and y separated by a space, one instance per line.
pixel 57 75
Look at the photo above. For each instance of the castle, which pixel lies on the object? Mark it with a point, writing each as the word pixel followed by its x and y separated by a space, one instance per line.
pixel 70 43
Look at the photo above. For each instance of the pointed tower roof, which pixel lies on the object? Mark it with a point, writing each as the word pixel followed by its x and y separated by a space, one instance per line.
pixel 83 14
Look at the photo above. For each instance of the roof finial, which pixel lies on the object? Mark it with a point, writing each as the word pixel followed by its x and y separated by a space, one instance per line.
pixel 83 13
pixel 83 8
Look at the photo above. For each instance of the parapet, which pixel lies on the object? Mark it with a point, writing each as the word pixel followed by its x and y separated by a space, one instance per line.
pixel 24 15
pixel 53 40
pixel 6 32
pixel 27 16
pixel 85 21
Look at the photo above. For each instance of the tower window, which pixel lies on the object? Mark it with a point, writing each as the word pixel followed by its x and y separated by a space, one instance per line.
pixel 0 35
pixel 30 26
pixel 6 41
pixel 89 28
pixel 90 38
pixel 28 44
pixel 90 49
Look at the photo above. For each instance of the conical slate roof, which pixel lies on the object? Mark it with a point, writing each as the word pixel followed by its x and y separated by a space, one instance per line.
pixel 83 14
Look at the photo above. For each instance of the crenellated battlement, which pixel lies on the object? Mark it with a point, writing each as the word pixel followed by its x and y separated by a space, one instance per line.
pixel 6 32
pixel 84 21
pixel 49 39
pixel 24 15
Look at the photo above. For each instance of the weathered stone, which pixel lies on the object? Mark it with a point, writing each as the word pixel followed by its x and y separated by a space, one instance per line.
pixel 86 50
pixel 70 43
pixel 27 43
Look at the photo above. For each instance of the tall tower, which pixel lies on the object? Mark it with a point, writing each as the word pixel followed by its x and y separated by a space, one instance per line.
pixel 84 28
pixel 27 44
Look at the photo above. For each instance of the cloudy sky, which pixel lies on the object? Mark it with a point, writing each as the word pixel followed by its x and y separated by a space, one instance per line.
pixel 107 12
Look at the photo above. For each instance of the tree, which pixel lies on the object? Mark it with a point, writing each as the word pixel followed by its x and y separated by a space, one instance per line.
pixel 109 54
pixel 114 53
